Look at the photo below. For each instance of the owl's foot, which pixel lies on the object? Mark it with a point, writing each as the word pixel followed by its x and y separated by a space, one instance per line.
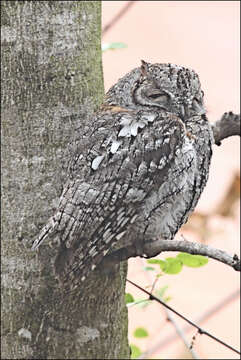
pixel 144 248
pixel 139 246
pixel 153 248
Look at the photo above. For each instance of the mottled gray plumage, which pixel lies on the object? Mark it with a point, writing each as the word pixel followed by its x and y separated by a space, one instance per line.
pixel 139 171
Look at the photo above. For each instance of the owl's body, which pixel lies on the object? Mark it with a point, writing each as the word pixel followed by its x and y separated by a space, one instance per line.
pixel 139 171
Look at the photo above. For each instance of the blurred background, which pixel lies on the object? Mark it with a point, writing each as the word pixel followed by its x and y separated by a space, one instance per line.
pixel 203 35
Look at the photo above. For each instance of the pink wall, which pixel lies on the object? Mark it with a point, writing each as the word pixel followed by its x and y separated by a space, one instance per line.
pixel 203 35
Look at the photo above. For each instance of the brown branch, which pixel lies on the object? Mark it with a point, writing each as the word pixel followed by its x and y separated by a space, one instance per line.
pixel 116 18
pixel 181 334
pixel 202 318
pixel 171 319
pixel 195 249
pixel 228 125
pixel 154 248
pixel 200 330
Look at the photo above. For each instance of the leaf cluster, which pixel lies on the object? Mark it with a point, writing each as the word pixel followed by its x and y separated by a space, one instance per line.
pixel 174 265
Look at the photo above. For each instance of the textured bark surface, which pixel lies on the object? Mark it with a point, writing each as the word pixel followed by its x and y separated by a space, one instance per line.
pixel 52 78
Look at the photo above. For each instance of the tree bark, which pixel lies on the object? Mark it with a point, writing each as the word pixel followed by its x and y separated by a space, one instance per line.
pixel 228 125
pixel 52 79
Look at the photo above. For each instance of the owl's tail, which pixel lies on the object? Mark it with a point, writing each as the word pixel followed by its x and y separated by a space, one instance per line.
pixel 48 230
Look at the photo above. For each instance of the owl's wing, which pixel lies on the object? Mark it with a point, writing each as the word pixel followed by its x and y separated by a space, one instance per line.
pixel 117 167
pixel 139 152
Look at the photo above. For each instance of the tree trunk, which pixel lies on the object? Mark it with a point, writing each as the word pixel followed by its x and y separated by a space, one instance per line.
pixel 52 79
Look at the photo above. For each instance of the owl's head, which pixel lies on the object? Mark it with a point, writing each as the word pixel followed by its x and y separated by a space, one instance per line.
pixel 166 87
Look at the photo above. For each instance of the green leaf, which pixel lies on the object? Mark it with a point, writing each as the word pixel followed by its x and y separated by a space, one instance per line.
pixel 149 268
pixel 144 303
pixel 192 260
pixel 140 332
pixel 160 293
pixel 113 46
pixel 172 266
pixel 129 298
pixel 139 302
pixel 135 351
pixel 156 261
pixel 159 275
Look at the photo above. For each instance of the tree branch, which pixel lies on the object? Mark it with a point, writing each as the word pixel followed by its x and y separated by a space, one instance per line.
pixel 187 327
pixel 117 17
pixel 200 330
pixel 196 249
pixel 171 319
pixel 154 248
pixel 180 333
pixel 205 316
pixel 228 125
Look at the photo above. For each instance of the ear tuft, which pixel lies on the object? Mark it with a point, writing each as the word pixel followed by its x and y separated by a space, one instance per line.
pixel 144 68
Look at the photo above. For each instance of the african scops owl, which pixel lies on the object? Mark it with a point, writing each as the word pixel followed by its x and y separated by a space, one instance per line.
pixel 141 167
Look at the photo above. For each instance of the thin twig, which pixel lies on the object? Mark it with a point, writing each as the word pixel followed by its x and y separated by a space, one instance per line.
pixel 206 315
pixel 154 284
pixel 194 338
pixel 180 333
pixel 171 319
pixel 201 331
pixel 117 17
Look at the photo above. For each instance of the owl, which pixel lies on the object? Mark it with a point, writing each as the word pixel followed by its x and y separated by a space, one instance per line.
pixel 139 170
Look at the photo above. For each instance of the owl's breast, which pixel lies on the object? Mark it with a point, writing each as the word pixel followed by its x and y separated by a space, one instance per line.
pixel 168 207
